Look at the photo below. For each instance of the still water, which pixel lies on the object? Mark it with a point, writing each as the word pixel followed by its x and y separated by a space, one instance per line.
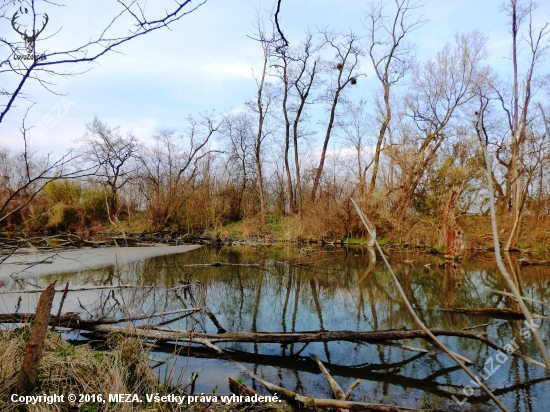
pixel 308 289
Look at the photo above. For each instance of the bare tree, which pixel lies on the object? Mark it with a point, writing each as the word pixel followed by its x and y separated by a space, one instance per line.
pixel 391 57
pixel 438 90
pixel 344 71
pixel 298 69
pixel 170 169
pixel 238 130
pixel 114 155
pixel 517 105
pixel 356 126
pixel 262 106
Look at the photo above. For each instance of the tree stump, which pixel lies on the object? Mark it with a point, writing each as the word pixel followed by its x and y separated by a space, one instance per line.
pixel 455 242
pixel 28 375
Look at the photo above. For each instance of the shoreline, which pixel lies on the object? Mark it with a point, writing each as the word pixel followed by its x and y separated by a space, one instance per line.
pixel 24 264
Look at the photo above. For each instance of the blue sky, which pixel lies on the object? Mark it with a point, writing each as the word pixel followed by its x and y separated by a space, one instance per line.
pixel 205 61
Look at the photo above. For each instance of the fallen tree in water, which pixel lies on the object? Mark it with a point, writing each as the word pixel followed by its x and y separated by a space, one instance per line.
pixel 160 334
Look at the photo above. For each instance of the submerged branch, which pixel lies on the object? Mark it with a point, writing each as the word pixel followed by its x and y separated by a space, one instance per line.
pixel 436 341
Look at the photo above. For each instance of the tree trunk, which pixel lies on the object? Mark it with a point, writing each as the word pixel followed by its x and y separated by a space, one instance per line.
pixel 381 134
pixel 259 137
pixel 455 242
pixel 319 171
pixel 292 203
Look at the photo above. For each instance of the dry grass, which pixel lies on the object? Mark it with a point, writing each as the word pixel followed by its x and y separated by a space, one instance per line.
pixel 66 368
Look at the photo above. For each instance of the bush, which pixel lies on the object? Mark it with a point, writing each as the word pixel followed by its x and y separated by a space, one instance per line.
pixel 67 205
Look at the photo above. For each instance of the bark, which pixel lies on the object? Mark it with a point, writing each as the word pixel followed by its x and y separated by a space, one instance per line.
pixel 274 337
pixel 103 327
pixel 455 242
pixel 328 133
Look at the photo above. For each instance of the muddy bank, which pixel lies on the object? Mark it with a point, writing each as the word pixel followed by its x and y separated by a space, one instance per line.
pixel 49 262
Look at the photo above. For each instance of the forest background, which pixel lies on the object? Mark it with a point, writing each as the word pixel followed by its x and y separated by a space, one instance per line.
pixel 362 109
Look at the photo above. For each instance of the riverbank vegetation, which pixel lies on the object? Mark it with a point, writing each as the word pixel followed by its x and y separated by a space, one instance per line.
pixel 288 162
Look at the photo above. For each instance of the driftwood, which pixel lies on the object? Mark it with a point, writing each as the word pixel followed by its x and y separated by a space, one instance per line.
pixel 337 391
pixel 334 387
pixel 308 401
pixel 28 376
pixel 243 390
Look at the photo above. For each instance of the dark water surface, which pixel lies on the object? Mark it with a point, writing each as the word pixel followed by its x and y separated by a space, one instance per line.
pixel 327 289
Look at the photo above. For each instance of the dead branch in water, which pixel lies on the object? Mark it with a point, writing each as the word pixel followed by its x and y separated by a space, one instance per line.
pixel 163 334
pixel 490 312
pixel 72 319
pixel 82 288
pixel 60 306
pixel 308 401
pixel 480 129
pixel 511 295
pixel 436 341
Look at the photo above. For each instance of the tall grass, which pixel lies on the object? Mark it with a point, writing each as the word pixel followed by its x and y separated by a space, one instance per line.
pixel 66 368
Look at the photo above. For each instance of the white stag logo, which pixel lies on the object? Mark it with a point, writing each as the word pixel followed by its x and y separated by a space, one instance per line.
pixel 29 40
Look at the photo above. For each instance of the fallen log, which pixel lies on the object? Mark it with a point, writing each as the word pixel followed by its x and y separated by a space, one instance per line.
pixel 243 390
pixel 294 337
pixel 105 326
pixel 217 264
pixel 81 288
pixel 491 312
pixel 73 320
pixel 285 337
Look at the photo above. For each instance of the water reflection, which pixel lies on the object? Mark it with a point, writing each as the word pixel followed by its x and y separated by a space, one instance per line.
pixel 324 289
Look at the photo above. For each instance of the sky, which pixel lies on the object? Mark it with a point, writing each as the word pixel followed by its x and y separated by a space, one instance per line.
pixel 203 62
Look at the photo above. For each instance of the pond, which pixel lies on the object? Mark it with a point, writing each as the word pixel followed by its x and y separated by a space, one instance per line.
pixel 330 288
